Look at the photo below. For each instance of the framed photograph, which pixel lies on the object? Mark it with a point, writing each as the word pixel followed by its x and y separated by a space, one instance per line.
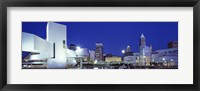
pixel 100 45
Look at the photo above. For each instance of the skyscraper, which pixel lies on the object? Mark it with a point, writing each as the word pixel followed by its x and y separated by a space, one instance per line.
pixel 128 49
pixel 99 52
pixel 128 52
pixel 142 40
pixel 145 52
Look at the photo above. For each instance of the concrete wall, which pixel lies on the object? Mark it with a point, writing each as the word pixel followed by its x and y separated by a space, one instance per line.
pixel 28 42
pixel 71 57
pixel 35 44
pixel 56 33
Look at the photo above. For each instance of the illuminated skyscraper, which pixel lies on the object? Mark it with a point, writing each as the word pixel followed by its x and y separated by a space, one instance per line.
pixel 142 40
pixel 99 52
pixel 128 49
pixel 145 52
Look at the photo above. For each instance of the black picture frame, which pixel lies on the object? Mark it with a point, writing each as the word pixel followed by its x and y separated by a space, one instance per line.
pixel 99 3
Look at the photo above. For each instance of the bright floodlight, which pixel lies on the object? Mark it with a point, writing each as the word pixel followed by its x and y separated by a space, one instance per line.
pixel 95 61
pixel 78 47
pixel 163 58
pixel 123 51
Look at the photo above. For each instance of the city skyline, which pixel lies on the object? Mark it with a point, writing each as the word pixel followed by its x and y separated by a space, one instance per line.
pixel 115 36
pixel 52 52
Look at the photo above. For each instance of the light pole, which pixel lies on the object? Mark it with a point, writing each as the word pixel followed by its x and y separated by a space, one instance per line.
pixel 164 62
pixel 78 49
pixel 123 51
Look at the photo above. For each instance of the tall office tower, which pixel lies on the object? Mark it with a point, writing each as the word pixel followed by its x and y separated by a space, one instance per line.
pixel 142 54
pixel 142 40
pixel 145 52
pixel 99 52
pixel 128 49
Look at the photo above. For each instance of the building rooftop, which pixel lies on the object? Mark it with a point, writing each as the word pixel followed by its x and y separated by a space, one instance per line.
pixel 99 44
pixel 142 36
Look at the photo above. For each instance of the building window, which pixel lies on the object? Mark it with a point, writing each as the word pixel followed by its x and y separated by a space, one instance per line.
pixel 63 43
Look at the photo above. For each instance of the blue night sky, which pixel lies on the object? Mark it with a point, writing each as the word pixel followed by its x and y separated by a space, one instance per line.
pixel 115 36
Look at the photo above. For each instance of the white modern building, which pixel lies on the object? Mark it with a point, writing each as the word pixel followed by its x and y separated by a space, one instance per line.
pixel 53 49
pixel 166 56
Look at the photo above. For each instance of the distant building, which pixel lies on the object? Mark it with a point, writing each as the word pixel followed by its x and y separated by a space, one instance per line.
pixel 108 55
pixel 168 57
pixel 50 52
pixel 113 59
pixel 72 47
pixel 173 44
pixel 99 52
pixel 137 57
pixel 128 49
pixel 129 59
pixel 92 55
pixel 145 52
pixel 142 41
pixel 128 52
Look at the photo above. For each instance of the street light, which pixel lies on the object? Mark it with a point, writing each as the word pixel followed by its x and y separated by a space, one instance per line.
pixel 78 52
pixel 78 47
pixel 95 61
pixel 123 51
